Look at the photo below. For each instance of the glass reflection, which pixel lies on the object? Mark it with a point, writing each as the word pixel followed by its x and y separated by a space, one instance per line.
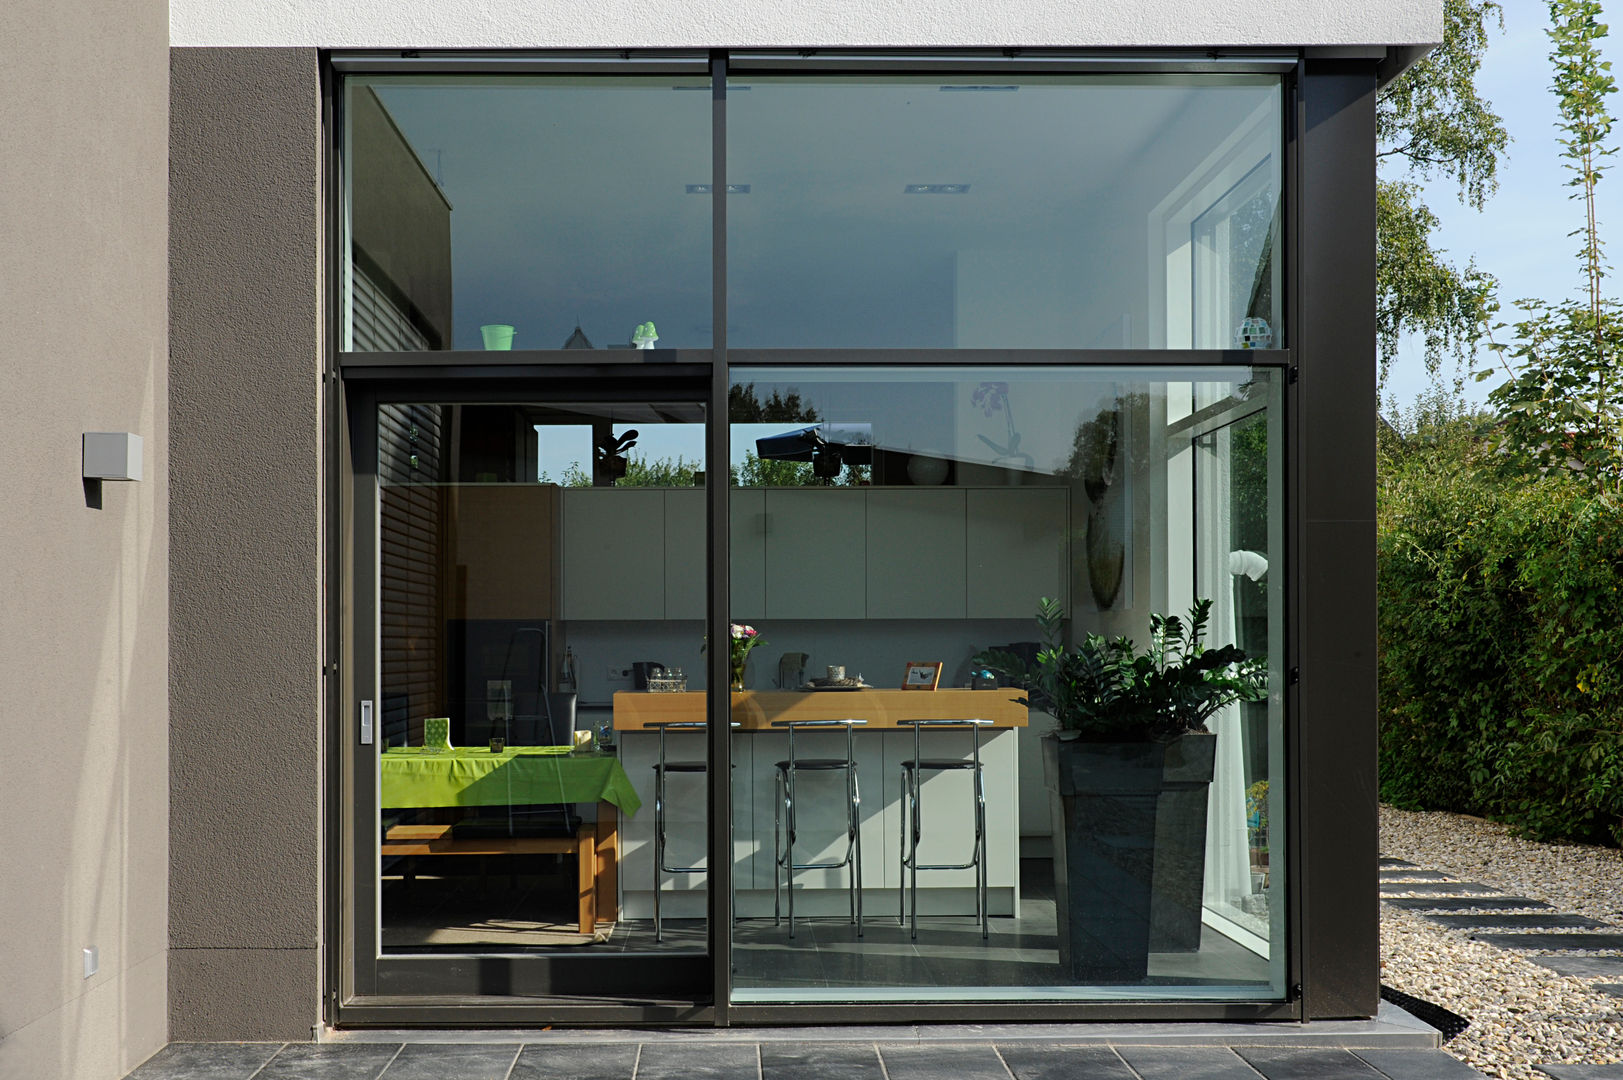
pixel 1070 213
pixel 527 213
pixel 889 527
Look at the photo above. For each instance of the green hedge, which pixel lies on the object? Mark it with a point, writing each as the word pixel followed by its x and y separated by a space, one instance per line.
pixel 1501 647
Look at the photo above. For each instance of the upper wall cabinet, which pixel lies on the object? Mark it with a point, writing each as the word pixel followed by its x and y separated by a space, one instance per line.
pixel 915 563
pixel 815 540
pixel 1016 550
pixel 614 553
pixel 685 540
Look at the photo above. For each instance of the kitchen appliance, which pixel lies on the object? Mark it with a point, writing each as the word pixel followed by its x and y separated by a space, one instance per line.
pixel 641 669
pixel 791 670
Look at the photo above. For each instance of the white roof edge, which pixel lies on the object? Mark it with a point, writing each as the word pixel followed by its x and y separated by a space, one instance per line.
pixel 664 24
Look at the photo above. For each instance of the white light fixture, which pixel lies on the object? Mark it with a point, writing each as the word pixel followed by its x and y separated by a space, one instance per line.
pixel 112 455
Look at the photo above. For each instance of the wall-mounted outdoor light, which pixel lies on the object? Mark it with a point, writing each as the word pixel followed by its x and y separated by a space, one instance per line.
pixel 112 455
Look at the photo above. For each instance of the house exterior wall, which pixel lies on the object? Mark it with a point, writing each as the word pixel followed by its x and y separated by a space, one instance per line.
pixel 516 24
pixel 84 615
pixel 245 561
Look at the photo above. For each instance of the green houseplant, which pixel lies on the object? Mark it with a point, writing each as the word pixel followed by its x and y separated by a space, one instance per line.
pixel 1128 772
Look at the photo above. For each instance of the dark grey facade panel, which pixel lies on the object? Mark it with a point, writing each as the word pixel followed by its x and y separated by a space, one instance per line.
pixel 245 546
pixel 1333 488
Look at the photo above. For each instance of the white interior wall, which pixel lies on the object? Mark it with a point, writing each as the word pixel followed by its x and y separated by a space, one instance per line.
pixel 519 24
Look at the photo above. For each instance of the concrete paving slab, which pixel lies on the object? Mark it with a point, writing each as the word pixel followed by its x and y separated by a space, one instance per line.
pixel 616 1061
pixel 820 1061
pixel 1297 1063
pixel 698 1061
pixel 910 1061
pixel 1466 903
pixel 1584 967
pixel 440 1061
pixel 1187 1063
pixel 1437 888
pixel 1419 1065
pixel 206 1061
pixel 1615 989
pixel 1532 921
pixel 1554 942
pixel 1387 860
pixel 1395 874
pixel 324 1061
pixel 1583 1072
pixel 1044 1061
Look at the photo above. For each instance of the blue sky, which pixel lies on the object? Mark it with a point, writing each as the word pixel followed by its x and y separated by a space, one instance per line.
pixel 1521 235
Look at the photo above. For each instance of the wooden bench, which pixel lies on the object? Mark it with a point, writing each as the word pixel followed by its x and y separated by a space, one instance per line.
pixel 595 847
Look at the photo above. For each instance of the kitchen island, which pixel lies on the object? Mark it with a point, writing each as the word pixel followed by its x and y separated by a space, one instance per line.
pixel 880 747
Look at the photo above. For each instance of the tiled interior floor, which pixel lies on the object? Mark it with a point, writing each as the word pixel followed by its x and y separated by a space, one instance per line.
pixel 717 1060
pixel 824 954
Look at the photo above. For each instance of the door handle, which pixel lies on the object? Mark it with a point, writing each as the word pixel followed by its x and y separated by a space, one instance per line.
pixel 366 723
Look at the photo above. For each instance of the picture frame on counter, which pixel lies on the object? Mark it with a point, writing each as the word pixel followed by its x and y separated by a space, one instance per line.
pixel 921 675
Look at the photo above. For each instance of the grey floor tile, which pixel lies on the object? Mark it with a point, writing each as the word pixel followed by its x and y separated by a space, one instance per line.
pixel 1466 903
pixel 1532 921
pixel 572 1061
pixel 1574 942
pixel 699 1061
pixel 1187 1063
pixel 451 1061
pixel 1412 874
pixel 1048 1061
pixel 967 1061
pixel 1615 989
pixel 1419 1065
pixel 329 1061
pixel 1436 888
pixel 1585 967
pixel 1303 1063
pixel 820 1061
pixel 1583 1072
pixel 206 1061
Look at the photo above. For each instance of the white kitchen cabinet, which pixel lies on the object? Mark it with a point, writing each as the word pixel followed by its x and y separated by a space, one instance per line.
pixel 815 553
pixel 613 553
pixel 916 551
pixel 1016 550
pixel 685 543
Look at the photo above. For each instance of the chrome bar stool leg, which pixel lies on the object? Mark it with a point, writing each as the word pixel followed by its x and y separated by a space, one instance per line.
pixel 913 775
pixel 777 844
pixel 659 835
pixel 786 818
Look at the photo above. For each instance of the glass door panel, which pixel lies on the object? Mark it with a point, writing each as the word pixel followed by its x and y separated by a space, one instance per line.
pixel 537 566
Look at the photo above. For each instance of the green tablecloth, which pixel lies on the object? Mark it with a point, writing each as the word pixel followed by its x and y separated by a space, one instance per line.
pixel 522 776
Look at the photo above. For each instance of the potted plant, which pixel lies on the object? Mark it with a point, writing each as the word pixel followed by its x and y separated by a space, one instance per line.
pixel 1128 771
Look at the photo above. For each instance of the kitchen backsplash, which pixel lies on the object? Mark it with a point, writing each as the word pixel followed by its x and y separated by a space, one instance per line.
pixel 878 649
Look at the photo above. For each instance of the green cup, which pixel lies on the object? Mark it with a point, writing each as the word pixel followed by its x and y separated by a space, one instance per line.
pixel 498 336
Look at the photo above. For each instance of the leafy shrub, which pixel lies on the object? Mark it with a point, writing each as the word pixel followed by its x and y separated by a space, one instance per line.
pixel 1501 641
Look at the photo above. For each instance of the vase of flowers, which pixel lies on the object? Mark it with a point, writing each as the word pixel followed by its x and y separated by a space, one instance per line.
pixel 743 639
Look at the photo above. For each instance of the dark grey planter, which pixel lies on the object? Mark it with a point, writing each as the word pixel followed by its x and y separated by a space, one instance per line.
pixel 1129 865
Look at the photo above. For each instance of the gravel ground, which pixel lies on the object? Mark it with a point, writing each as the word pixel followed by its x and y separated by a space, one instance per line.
pixel 1521 1014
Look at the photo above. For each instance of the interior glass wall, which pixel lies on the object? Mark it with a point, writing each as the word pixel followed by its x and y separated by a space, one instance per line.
pixel 891 556
pixel 1106 212
pixel 532 567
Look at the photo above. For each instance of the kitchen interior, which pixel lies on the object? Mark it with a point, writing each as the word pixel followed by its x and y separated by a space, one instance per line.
pixel 548 614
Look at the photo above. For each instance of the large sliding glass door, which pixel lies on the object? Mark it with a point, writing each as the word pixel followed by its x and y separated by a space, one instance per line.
pixel 520 569
pixel 967 351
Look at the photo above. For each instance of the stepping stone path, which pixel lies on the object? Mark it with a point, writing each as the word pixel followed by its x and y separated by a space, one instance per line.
pixel 1433 895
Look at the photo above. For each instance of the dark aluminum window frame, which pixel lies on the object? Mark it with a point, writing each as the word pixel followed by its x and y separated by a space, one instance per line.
pixel 482 374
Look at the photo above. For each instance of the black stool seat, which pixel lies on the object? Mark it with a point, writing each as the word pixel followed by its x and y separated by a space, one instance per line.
pixel 682 766
pixel 814 763
pixel 939 764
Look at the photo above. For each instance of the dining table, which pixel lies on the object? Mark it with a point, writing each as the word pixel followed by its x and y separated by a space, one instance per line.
pixel 424 777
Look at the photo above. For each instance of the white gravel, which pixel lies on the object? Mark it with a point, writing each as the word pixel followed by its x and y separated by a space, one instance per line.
pixel 1521 1014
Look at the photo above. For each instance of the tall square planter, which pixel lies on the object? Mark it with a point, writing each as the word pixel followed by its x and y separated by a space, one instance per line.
pixel 1129 865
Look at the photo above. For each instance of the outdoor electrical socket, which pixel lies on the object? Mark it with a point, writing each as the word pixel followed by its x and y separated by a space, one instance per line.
pixel 92 961
pixel 618 674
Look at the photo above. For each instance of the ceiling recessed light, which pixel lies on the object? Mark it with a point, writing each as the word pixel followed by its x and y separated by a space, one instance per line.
pixel 936 189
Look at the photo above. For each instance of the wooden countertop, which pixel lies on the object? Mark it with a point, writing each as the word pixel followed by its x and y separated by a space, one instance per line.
pixel 755 710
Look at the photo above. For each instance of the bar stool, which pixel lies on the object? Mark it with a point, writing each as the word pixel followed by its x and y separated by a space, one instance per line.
pixel 787 806
pixel 661 769
pixel 914 773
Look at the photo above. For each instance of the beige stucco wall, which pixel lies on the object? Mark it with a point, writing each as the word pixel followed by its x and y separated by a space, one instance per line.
pixel 83 591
